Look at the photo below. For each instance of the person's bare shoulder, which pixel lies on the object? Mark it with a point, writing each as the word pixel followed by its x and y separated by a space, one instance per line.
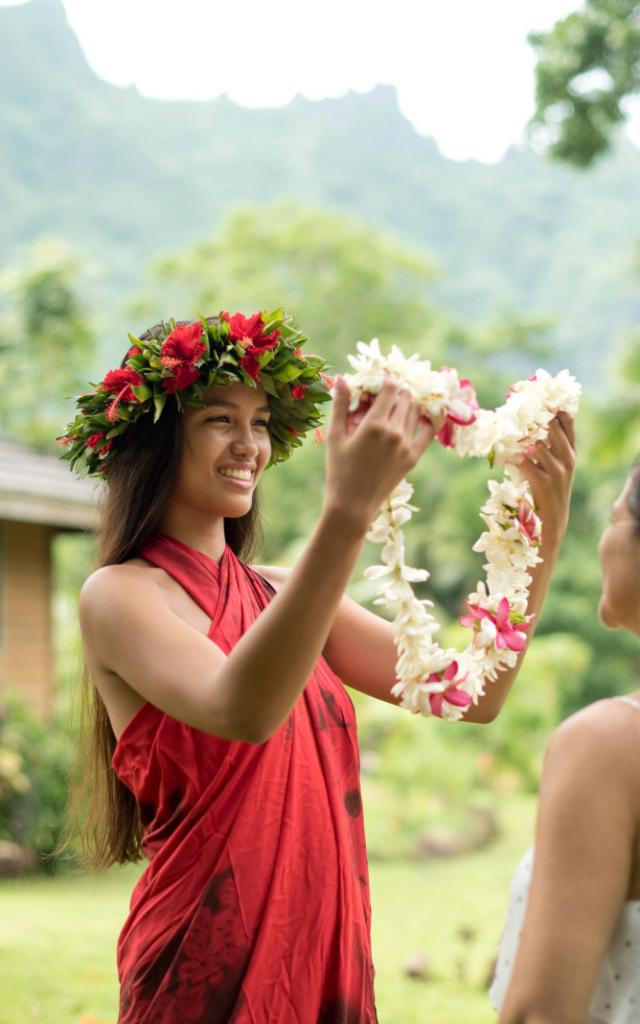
pixel 111 587
pixel 601 740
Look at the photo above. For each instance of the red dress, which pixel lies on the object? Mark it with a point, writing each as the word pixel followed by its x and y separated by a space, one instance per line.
pixel 254 908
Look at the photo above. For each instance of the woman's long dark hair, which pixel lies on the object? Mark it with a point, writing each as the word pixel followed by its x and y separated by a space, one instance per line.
pixel 143 470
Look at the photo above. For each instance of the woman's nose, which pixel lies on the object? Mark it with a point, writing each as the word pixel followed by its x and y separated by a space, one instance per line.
pixel 243 439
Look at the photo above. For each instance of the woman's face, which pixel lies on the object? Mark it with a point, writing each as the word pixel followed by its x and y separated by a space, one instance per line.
pixel 226 446
pixel 619 553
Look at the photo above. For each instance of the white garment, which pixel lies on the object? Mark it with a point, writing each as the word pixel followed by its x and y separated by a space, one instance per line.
pixel 616 996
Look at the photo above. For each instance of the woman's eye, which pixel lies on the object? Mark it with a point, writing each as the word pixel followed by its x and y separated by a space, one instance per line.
pixel 225 419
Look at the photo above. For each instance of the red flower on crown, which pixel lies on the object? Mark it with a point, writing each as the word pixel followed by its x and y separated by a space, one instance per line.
pixel 95 439
pixel 120 383
pixel 299 390
pixel 180 352
pixel 249 333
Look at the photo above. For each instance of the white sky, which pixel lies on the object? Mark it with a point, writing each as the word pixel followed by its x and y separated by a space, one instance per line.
pixel 463 69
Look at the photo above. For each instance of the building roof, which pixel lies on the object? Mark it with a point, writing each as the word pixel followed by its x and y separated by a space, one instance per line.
pixel 39 488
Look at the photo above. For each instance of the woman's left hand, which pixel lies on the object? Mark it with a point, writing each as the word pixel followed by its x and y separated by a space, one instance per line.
pixel 548 466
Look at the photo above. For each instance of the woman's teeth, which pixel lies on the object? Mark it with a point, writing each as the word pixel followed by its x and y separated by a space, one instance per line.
pixel 237 474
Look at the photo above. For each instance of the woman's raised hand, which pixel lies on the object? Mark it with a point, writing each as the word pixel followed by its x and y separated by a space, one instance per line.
pixel 369 454
pixel 549 467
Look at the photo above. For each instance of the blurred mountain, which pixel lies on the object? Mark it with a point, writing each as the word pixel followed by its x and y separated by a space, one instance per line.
pixel 125 178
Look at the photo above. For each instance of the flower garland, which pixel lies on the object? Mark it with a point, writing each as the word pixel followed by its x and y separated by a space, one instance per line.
pixel 432 680
pixel 181 361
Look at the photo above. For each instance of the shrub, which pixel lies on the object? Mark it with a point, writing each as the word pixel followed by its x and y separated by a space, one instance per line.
pixel 35 758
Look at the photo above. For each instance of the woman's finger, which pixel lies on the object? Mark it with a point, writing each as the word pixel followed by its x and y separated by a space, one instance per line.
pixel 544 459
pixel 413 417
pixel 398 415
pixel 384 401
pixel 424 436
pixel 341 396
pixel 559 444
pixel 568 425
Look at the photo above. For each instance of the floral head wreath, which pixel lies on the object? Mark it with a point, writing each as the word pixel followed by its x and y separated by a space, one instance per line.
pixel 184 360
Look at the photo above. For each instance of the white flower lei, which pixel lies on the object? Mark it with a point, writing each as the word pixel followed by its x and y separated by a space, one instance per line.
pixel 432 680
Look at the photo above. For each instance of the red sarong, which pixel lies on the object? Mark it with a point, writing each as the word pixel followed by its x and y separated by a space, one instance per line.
pixel 254 908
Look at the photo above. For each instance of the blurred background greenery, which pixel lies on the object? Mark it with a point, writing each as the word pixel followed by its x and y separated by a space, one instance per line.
pixel 349 218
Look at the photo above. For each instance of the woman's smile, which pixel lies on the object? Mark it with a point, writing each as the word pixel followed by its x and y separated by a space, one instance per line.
pixel 238 477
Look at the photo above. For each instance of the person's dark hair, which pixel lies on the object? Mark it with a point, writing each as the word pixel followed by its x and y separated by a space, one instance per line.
pixel 140 481
pixel 633 497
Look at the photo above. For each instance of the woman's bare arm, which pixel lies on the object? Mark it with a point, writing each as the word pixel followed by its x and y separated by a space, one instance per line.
pixel 584 851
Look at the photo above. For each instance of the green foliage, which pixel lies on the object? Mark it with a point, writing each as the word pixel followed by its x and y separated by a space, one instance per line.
pixel 34 766
pixel 551 677
pixel 587 65
pixel 616 438
pixel 346 279
pixel 423 771
pixel 46 346
pixel 73 558
pixel 429 772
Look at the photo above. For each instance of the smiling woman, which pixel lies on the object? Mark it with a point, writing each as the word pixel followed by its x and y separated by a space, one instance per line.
pixel 227 442
pixel 222 743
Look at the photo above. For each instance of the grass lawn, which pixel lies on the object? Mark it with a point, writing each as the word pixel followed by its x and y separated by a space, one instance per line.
pixel 58 935
pixel 452 911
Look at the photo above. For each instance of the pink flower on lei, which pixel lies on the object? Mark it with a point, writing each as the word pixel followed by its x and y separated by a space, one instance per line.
pixel 462 413
pixel 506 635
pixel 453 694
pixel 528 523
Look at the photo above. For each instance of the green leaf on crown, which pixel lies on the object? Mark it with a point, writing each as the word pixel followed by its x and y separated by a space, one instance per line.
pixel 159 400
pixel 274 318
pixel 141 391
pixel 289 372
pixel 118 429
pixel 269 385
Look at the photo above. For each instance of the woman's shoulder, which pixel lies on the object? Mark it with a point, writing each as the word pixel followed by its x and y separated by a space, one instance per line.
pixel 118 583
pixel 604 736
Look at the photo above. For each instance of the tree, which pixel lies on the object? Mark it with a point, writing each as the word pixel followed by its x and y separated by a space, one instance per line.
pixel 587 65
pixel 345 279
pixel 46 346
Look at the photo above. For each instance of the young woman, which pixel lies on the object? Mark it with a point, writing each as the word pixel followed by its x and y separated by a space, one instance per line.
pixel 222 736
pixel 570 948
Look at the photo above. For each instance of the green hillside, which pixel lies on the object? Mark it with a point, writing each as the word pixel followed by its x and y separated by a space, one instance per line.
pixel 125 179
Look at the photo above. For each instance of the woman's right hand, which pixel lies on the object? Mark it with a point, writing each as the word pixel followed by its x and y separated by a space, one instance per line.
pixel 368 455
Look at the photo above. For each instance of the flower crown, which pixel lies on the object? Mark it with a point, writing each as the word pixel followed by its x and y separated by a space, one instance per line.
pixel 185 360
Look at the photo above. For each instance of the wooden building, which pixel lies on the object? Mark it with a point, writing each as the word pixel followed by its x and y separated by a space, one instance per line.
pixel 39 498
